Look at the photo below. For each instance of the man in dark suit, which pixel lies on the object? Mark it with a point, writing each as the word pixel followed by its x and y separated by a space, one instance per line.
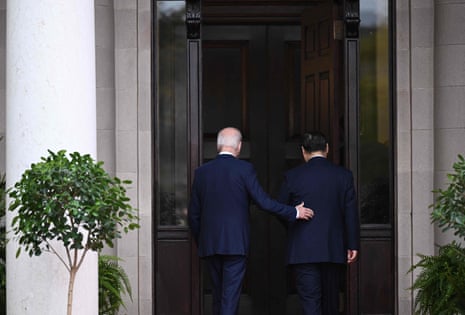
pixel 219 217
pixel 319 249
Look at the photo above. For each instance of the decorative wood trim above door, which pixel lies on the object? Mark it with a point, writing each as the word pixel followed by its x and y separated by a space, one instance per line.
pixel 193 19
pixel 254 11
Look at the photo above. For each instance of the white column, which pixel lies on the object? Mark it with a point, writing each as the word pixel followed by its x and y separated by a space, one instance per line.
pixel 50 105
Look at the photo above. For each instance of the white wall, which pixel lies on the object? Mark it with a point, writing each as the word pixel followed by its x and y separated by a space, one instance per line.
pixel 133 140
pixel 2 82
pixel 123 87
pixel 430 131
pixel 105 64
pixel 414 138
pixel 449 107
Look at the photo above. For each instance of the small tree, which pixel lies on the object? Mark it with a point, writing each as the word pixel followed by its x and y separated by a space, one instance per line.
pixel 73 202
pixel 440 284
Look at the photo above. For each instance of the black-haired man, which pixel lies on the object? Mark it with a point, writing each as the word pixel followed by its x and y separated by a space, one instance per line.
pixel 319 249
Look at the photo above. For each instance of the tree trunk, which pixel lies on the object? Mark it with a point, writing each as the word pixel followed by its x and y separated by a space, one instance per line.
pixel 72 276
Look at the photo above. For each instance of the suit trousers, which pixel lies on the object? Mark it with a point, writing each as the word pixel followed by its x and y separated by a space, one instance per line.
pixel 318 286
pixel 226 273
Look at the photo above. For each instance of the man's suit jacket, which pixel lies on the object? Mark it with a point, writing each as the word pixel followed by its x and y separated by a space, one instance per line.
pixel 329 191
pixel 219 207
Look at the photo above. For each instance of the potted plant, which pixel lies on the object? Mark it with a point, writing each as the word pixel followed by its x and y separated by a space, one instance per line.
pixel 440 285
pixel 72 201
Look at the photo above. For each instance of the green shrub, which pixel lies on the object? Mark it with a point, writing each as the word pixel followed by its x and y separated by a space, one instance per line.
pixel 113 284
pixel 449 209
pixel 440 285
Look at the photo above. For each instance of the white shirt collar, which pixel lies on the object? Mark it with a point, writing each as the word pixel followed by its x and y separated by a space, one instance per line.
pixel 226 152
pixel 317 155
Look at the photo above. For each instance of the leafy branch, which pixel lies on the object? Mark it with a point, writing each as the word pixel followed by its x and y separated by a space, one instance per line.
pixel 449 209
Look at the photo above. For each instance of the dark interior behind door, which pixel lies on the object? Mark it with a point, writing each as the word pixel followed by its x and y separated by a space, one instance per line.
pixel 251 80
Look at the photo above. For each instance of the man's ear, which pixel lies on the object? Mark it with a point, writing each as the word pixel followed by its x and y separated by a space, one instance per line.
pixel 304 154
pixel 239 147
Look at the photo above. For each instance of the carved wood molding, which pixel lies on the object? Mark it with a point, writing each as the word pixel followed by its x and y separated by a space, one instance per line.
pixel 255 11
pixel 193 18
pixel 261 2
pixel 352 18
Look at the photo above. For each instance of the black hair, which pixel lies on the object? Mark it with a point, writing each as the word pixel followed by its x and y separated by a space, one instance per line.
pixel 314 141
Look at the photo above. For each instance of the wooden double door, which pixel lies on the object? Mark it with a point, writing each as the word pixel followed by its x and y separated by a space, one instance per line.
pixel 266 81
pixel 274 71
pixel 251 80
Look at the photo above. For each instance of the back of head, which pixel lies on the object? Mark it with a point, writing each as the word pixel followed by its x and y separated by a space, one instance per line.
pixel 314 142
pixel 229 138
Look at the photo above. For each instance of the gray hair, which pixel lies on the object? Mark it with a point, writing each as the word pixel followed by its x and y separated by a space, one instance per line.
pixel 228 137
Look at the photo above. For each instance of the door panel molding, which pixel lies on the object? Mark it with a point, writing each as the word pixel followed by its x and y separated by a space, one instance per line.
pixel 234 87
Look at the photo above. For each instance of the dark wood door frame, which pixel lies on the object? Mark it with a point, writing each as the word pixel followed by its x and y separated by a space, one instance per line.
pixel 194 107
pixel 352 82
